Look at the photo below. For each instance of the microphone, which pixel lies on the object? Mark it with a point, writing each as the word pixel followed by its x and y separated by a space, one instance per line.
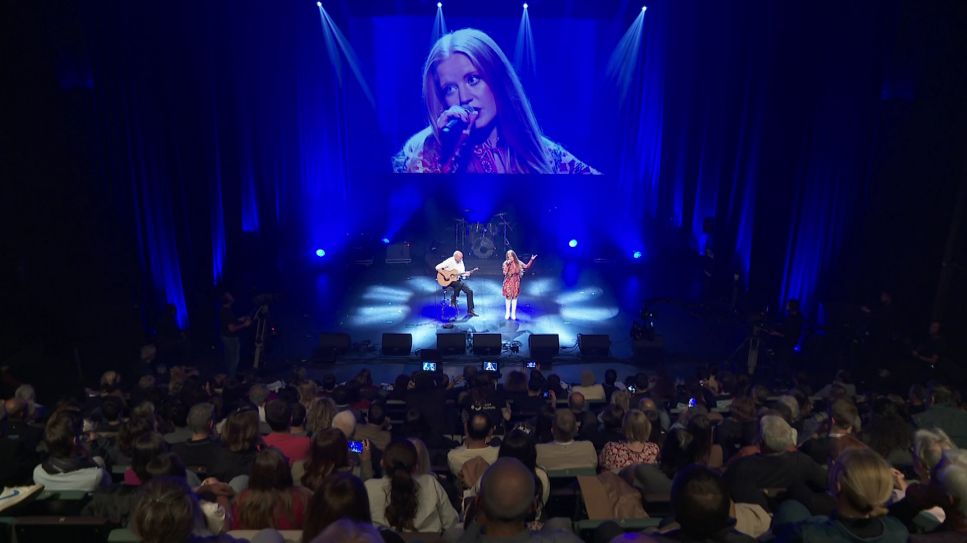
pixel 455 125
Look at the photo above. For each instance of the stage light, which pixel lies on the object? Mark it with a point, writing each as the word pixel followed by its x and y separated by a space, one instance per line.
pixel 525 5
pixel 644 8
pixel 385 241
pixel 320 253
pixel 439 4
pixel 573 243
pixel 319 4
pixel 636 255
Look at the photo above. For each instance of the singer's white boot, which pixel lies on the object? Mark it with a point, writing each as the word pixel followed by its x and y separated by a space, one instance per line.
pixel 513 309
pixel 507 310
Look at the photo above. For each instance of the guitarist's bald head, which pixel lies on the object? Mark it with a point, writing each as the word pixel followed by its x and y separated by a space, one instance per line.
pixel 458 256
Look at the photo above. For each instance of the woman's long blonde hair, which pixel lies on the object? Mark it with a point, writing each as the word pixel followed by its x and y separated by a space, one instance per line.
pixel 864 479
pixel 517 125
pixel 512 255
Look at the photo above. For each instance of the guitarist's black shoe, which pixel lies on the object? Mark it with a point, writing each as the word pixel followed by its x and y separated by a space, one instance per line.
pixel 453 302
pixel 472 314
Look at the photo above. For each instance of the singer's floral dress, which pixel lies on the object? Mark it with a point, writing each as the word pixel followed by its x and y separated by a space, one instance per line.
pixel 421 154
pixel 512 272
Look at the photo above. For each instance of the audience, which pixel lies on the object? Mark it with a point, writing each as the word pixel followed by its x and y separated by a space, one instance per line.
pixel 942 413
pixel 342 496
pixel 200 452
pixel 844 421
pixel 278 415
pixel 504 505
pixel 564 452
pixel 591 391
pixel 271 500
pixel 636 449
pixel 405 502
pixel 240 443
pixel 375 430
pixel 329 454
pixel 69 465
pixel 860 482
pixel 479 432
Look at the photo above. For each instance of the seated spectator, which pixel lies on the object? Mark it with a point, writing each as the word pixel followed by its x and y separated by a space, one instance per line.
pixel 577 403
pixel 564 452
pixel 240 443
pixel 621 398
pixel 146 448
pixel 635 449
pixel 889 433
pixel 739 429
pixel 319 415
pixel 179 418
pixel 519 444
pixel 168 512
pixel 479 432
pixel 844 421
pixel 591 391
pixel 271 500
pixel 405 502
pixel 690 445
pixel 19 426
pixel 951 483
pixel 345 421
pixel 111 409
pixel 929 448
pixel 944 414
pixel 778 465
pixel 200 452
pixel 860 483
pixel 504 505
pixel 612 420
pixel 328 454
pixel 17 458
pixel 278 415
pixel 35 411
pixel 68 466
pixel 375 430
pixel 342 496
pixel 702 509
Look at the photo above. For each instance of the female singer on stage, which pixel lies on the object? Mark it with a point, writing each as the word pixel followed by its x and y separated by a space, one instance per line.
pixel 480 120
pixel 513 269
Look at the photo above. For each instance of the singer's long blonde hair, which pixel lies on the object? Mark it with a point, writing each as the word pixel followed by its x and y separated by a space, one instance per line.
pixel 511 254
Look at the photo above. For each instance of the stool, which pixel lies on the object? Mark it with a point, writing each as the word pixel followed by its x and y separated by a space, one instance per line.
pixel 448 313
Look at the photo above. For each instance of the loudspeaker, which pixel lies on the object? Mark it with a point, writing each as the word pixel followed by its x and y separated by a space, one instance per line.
pixel 544 345
pixel 486 344
pixel 397 344
pixel 451 343
pixel 331 345
pixel 594 344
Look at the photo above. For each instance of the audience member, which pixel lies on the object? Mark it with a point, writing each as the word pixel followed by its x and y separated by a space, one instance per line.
pixel 271 500
pixel 69 466
pixel 564 452
pixel 406 502
pixel 376 428
pixel 635 449
pixel 240 443
pixel 328 454
pixel 200 452
pixel 860 483
pixel 278 415
pixel 479 432
pixel 944 414
pixel 591 391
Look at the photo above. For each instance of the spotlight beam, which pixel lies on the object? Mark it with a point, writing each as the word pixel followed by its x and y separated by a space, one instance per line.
pixel 624 59
pixel 439 24
pixel 336 42
pixel 525 59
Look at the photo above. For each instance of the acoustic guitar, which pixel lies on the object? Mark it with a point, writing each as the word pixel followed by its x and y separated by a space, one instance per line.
pixel 449 275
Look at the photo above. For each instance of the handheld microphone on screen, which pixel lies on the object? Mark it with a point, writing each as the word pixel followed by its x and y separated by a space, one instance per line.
pixel 455 126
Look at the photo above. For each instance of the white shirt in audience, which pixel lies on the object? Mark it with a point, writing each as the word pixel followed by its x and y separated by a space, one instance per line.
pixel 433 512
pixel 593 393
pixel 570 455
pixel 456 458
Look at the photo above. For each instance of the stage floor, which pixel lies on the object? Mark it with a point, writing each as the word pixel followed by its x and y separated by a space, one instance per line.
pixel 559 296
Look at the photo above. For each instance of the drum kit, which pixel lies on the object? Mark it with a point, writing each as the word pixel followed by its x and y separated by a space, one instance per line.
pixel 483 239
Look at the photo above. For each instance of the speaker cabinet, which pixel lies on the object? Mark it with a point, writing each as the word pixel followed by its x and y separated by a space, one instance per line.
pixel 397 344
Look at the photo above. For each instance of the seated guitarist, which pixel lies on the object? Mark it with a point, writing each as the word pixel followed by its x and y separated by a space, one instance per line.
pixel 455 263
